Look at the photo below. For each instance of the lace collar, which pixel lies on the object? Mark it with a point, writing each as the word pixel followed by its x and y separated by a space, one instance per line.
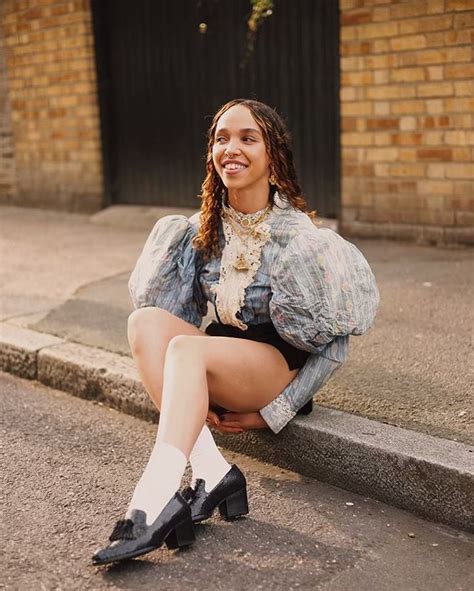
pixel 243 218
pixel 241 259
pixel 280 205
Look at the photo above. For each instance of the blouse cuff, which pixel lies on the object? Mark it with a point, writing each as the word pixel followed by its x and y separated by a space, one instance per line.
pixel 277 414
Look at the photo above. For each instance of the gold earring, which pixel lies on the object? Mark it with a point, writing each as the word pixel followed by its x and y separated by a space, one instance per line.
pixel 272 179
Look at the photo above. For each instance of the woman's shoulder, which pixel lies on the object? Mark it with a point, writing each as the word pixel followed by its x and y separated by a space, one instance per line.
pixel 172 234
pixel 176 225
pixel 194 221
pixel 288 222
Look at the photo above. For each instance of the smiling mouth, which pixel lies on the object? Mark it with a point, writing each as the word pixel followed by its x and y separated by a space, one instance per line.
pixel 232 166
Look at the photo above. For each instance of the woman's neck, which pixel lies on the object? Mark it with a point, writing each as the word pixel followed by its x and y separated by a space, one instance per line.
pixel 248 201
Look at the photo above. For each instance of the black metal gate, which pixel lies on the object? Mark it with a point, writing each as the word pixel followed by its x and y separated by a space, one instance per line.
pixel 161 79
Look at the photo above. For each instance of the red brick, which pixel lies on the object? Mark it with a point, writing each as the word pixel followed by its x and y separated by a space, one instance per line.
pixel 348 124
pixel 59 9
pixel 356 17
pixel 463 37
pixel 440 154
pixel 407 139
pixel 435 122
pixel 459 71
pixel 459 5
pixel 463 20
pixel 35 12
pixel 416 8
pixel 355 48
pixel 375 124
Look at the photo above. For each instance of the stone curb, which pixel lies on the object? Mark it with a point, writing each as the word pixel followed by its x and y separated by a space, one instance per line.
pixel 462 236
pixel 426 475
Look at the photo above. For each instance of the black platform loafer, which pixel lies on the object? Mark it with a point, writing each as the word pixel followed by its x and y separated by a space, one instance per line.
pixel 133 537
pixel 230 495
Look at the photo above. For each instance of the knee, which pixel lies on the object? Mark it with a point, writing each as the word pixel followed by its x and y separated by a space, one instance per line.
pixel 139 324
pixel 185 348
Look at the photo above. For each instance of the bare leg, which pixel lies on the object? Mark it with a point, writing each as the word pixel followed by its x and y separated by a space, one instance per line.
pixel 196 366
pixel 149 332
pixel 185 398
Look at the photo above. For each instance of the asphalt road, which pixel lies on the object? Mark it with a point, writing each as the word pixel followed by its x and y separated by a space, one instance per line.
pixel 70 466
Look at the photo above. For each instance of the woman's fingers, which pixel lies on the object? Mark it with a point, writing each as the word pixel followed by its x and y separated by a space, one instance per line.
pixel 248 420
pixel 212 418
pixel 230 422
pixel 217 423
pixel 235 418
pixel 231 416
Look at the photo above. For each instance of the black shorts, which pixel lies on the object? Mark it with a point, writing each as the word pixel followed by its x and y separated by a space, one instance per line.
pixel 263 333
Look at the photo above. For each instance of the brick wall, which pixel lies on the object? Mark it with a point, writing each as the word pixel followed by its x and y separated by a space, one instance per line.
pixel 407 104
pixel 7 162
pixel 54 109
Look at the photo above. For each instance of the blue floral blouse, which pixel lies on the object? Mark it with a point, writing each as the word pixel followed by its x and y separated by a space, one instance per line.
pixel 314 286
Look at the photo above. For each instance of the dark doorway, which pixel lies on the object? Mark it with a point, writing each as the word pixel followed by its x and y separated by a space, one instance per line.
pixel 161 79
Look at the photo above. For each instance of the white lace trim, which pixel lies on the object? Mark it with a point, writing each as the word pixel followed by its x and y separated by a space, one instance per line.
pixel 230 291
pixel 277 413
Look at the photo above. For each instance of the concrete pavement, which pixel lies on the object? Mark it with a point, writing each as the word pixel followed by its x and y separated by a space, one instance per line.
pixel 69 471
pixel 63 275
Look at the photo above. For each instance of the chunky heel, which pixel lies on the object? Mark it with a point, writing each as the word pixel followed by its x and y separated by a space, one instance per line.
pixel 235 505
pixel 182 535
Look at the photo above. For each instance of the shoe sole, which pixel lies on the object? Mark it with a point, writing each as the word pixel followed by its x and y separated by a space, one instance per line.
pixel 201 518
pixel 126 556
pixel 183 543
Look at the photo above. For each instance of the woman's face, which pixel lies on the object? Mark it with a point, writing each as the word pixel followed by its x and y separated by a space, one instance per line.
pixel 239 152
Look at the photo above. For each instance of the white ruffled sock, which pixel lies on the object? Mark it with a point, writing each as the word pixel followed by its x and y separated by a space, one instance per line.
pixel 206 460
pixel 159 481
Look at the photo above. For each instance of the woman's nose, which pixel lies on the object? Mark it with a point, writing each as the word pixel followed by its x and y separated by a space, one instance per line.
pixel 232 147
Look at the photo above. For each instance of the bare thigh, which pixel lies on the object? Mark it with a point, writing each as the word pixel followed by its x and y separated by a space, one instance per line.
pixel 150 331
pixel 243 375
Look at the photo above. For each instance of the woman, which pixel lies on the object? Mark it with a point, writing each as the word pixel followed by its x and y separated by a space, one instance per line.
pixel 286 296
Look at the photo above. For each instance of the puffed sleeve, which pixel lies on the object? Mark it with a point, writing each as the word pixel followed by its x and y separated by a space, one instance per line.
pixel 322 287
pixel 166 274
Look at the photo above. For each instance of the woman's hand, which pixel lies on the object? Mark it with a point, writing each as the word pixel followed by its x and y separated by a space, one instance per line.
pixel 236 422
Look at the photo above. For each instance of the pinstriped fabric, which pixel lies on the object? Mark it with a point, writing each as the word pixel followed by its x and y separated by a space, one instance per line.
pixel 314 286
pixel 328 292
pixel 165 274
pixel 315 373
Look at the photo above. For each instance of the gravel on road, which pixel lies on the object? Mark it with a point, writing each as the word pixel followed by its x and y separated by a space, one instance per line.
pixel 70 467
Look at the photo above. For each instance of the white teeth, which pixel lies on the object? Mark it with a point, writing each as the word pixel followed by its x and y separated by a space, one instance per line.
pixel 234 166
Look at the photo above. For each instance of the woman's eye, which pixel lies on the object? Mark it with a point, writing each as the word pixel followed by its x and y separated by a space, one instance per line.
pixel 221 138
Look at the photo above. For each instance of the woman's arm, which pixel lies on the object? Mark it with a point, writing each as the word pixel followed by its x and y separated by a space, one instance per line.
pixel 311 378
